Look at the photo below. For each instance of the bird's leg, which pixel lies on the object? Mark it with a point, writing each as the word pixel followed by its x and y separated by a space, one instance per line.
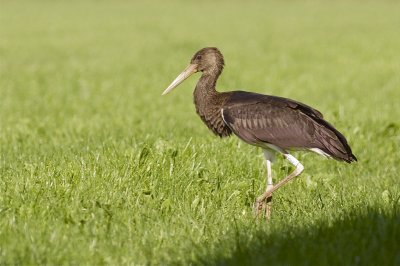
pixel 267 203
pixel 296 172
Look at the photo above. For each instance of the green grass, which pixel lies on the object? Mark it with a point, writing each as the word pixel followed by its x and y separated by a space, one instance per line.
pixel 97 168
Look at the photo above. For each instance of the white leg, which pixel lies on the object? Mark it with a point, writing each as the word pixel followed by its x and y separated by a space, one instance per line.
pixel 269 173
pixel 270 185
pixel 269 157
pixel 296 172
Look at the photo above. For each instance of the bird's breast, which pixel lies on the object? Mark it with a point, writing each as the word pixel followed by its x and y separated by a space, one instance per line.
pixel 212 117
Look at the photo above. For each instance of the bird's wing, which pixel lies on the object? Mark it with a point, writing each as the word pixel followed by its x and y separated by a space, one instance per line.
pixel 243 97
pixel 262 119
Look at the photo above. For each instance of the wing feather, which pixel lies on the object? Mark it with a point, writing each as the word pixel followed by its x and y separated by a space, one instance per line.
pixel 262 119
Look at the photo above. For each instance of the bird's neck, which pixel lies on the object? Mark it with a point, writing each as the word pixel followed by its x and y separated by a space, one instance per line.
pixel 205 88
pixel 206 99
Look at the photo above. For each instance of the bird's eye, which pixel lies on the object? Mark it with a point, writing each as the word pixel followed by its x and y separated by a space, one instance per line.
pixel 198 57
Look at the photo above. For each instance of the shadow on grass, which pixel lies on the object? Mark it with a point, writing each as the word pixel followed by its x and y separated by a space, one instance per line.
pixel 367 238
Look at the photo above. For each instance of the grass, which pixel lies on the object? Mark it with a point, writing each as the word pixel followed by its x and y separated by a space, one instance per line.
pixel 97 168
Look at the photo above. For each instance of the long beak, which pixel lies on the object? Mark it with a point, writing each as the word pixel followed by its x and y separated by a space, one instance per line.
pixel 192 68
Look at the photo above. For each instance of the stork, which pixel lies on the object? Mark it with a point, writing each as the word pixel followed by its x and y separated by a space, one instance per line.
pixel 277 125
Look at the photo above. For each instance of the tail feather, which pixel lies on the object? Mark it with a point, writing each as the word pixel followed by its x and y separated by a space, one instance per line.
pixel 333 142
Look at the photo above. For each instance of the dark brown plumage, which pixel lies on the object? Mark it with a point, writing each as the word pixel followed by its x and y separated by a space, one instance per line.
pixel 273 123
pixel 258 119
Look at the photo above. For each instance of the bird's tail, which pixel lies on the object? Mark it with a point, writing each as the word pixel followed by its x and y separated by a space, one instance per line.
pixel 333 142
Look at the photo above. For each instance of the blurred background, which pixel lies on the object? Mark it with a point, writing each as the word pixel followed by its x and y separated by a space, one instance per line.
pixel 95 58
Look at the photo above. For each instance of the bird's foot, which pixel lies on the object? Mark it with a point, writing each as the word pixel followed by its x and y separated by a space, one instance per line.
pixel 264 204
pixel 258 207
pixel 266 194
pixel 268 208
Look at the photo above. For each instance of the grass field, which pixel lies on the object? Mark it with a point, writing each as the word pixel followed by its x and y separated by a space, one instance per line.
pixel 97 168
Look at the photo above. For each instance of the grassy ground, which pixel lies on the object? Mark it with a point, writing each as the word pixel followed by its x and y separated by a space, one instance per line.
pixel 97 168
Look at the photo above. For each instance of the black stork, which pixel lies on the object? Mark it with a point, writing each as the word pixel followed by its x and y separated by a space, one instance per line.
pixel 276 124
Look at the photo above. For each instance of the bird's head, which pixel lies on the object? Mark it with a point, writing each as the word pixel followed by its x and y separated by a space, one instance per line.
pixel 208 60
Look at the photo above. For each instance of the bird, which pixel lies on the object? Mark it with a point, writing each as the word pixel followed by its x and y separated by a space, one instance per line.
pixel 275 124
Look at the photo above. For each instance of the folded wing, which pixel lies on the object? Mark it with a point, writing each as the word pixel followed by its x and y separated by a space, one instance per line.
pixel 262 119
